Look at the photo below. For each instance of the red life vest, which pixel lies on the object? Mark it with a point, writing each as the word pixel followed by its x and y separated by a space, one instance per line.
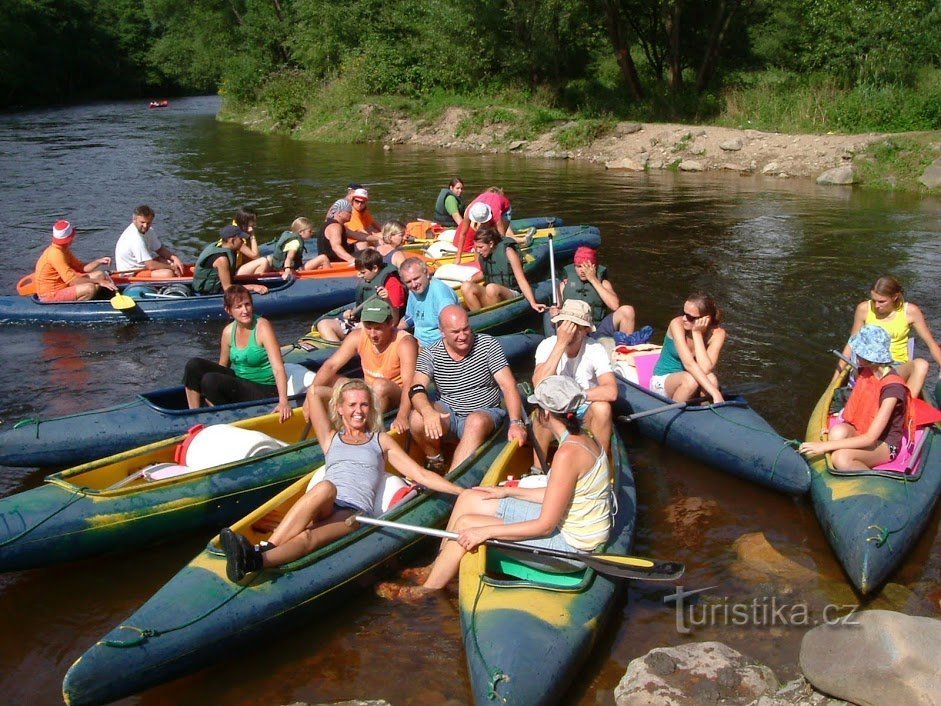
pixel 864 402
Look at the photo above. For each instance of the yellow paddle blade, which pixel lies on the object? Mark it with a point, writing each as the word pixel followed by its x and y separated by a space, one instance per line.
pixel 625 560
pixel 122 302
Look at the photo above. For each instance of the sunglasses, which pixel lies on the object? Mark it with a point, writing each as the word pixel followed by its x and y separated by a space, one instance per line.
pixel 359 200
pixel 690 317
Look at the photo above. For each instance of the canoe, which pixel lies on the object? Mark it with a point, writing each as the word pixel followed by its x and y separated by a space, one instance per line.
pixel 284 297
pixel 872 521
pixel 141 496
pixel 199 615
pixel 504 317
pixel 527 632
pixel 155 415
pixel 730 436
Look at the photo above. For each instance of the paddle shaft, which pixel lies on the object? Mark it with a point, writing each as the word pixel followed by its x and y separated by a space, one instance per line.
pixel 610 564
pixel 734 392
pixel 555 288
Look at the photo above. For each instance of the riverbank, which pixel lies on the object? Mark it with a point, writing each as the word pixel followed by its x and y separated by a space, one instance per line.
pixel 890 161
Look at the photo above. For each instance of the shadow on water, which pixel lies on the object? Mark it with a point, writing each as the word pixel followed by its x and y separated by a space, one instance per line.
pixel 787 261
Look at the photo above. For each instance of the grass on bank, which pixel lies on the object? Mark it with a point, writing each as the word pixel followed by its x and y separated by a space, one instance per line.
pixel 336 112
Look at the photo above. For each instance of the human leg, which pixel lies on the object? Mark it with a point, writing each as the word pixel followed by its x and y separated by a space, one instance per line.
pixel 624 318
pixel 227 388
pixel 332 329
pixel 496 293
pixel 680 386
pixel 472 509
pixel 914 372
pixel 599 420
pixel 193 374
pixel 318 263
pixel 258 266
pixel 471 432
pixel 541 436
pixel 388 393
pixel 429 446
pixel 861 459
pixel 473 295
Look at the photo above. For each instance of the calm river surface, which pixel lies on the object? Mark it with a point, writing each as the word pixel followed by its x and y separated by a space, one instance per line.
pixel 787 260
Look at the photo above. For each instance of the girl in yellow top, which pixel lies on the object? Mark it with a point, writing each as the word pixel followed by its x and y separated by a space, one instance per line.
pixel 888 309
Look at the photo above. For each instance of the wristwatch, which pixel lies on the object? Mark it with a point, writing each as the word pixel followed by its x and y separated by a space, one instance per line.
pixel 518 421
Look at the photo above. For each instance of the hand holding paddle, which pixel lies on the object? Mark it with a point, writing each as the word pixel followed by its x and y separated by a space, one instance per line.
pixel 618 565
pixel 120 302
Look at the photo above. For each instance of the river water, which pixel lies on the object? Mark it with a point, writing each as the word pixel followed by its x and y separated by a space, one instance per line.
pixel 786 260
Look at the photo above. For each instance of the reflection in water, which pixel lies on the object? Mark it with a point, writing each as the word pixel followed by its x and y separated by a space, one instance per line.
pixel 786 260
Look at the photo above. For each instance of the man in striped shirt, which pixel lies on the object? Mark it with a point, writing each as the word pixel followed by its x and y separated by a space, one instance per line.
pixel 472 376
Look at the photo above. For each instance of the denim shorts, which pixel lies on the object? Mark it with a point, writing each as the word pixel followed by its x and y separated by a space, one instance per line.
pixel 513 510
pixel 457 421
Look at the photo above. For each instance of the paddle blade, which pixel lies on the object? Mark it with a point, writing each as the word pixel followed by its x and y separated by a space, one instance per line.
pixel 122 302
pixel 637 568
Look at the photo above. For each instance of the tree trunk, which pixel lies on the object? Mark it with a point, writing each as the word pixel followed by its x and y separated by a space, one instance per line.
pixel 672 20
pixel 725 11
pixel 622 50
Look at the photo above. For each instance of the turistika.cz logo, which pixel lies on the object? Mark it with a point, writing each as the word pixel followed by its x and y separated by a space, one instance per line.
pixel 762 611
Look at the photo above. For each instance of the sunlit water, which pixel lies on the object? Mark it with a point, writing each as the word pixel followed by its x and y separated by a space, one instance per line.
pixel 787 260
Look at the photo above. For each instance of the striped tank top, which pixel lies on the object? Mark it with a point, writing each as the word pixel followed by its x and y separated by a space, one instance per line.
pixel 587 522
pixel 356 470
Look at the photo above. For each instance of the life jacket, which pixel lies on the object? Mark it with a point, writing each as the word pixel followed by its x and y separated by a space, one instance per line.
pixel 205 276
pixel 441 213
pixel 577 288
pixel 325 248
pixel 496 267
pixel 278 257
pixel 865 400
pixel 367 290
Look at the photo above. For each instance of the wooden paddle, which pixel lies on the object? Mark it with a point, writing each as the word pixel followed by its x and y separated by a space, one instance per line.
pixel 619 565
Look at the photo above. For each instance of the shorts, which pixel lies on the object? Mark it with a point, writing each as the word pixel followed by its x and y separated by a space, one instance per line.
pixel 514 510
pixel 605 328
pixel 69 294
pixel 582 411
pixel 658 384
pixel 456 427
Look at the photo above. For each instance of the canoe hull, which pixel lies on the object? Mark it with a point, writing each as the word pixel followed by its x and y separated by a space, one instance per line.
pixel 731 436
pixel 233 615
pixel 872 521
pixel 61 521
pixel 525 644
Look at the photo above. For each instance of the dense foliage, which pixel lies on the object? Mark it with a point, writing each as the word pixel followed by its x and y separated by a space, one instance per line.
pixel 641 58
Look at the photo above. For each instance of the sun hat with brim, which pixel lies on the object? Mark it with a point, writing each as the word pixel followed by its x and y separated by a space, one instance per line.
pixel 63 232
pixel 559 394
pixel 872 343
pixel 360 194
pixel 377 311
pixel 576 311
pixel 230 232
pixel 479 213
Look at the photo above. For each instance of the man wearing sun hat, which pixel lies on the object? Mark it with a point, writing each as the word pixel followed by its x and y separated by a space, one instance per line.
pixel 62 277
pixel 573 354
pixel 387 355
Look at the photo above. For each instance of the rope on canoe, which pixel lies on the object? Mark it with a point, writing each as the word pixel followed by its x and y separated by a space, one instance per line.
pixel 881 537
pixel 495 674
pixel 77 495
pixel 785 443
pixel 144 634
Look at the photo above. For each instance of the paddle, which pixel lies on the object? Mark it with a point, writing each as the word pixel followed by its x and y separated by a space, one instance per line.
pixel 555 289
pixel 736 391
pixel 848 361
pixel 619 565
pixel 119 301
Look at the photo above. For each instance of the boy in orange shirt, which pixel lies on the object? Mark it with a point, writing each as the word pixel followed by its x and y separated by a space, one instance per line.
pixel 62 277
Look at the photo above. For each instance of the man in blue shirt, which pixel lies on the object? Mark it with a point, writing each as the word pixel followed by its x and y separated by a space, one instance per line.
pixel 426 298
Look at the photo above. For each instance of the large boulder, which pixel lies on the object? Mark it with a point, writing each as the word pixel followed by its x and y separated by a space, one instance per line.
pixel 839 176
pixel 759 560
pixel 931 177
pixel 694 674
pixel 876 657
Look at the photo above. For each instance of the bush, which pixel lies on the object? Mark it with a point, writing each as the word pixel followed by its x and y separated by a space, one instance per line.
pixel 285 96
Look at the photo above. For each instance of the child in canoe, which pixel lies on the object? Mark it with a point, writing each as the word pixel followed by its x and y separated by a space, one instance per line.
pixel 355 449
pixel 877 414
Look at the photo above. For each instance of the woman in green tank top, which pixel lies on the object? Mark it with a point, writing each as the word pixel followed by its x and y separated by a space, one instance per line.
pixel 250 366
pixel 690 352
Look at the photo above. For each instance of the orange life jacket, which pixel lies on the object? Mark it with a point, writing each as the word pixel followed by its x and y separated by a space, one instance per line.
pixel 864 402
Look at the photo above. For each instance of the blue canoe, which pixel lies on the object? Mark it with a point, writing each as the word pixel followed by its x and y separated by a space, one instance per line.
pixel 527 632
pixel 151 416
pixel 199 616
pixel 730 436
pixel 872 521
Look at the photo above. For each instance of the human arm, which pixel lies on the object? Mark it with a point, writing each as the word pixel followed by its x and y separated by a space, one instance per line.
pixel 516 265
pixel 863 440
pixel 452 206
pixel 264 334
pixel 406 465
pixel 334 234
pixel 514 405
pixel 605 391
pixel 917 321
pixel 431 416
pixel 707 356
pixel 250 247
pixel 603 287
pixel 328 372
pixel 859 319
pixel 547 364
pixel 169 258
pixel 408 357
pixel 224 345
pixel 95 264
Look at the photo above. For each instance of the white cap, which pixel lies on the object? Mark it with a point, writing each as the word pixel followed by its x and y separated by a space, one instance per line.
pixel 479 213
pixel 360 194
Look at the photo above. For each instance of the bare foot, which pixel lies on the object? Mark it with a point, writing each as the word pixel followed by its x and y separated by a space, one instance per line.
pixel 392 591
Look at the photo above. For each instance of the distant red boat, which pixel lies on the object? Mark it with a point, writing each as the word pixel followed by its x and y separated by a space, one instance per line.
pixel 163 103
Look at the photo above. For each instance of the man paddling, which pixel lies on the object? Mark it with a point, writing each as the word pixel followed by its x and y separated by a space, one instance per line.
pixel 62 277
pixel 387 355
